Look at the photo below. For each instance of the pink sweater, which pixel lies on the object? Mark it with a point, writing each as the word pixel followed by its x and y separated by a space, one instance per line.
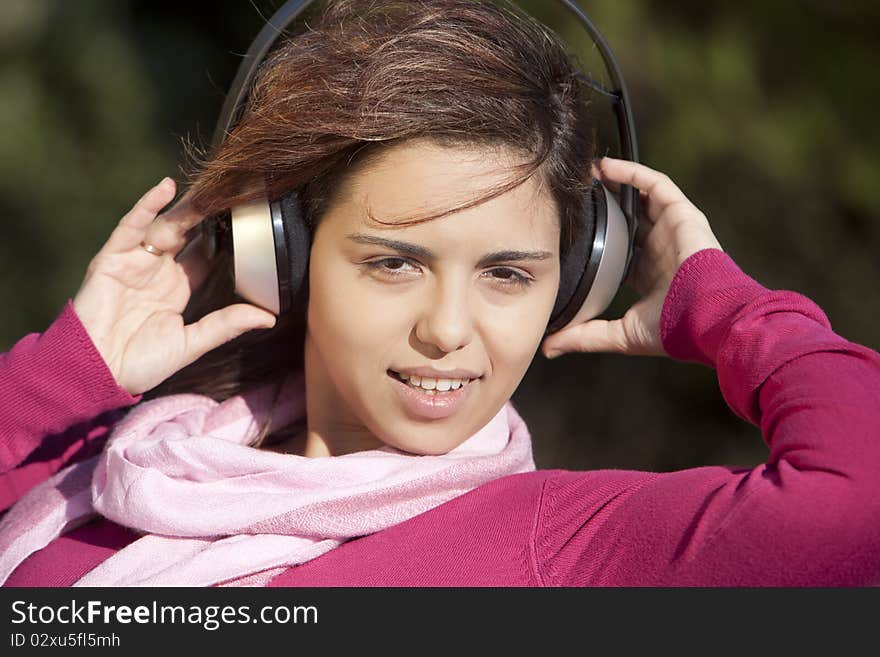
pixel 810 515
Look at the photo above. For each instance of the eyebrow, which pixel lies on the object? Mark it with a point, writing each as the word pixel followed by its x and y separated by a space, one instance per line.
pixel 417 251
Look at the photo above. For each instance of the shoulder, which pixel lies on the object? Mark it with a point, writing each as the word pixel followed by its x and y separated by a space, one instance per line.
pixel 559 478
pixel 549 491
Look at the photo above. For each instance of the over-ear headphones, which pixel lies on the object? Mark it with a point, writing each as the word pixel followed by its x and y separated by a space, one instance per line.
pixel 271 241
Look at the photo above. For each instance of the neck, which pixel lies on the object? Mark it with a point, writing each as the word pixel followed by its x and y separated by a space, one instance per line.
pixel 333 429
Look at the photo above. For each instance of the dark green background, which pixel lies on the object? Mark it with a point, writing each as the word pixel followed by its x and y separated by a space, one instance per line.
pixel 762 112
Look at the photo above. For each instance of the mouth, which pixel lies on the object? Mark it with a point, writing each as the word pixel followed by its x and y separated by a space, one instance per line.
pixel 432 387
pixel 431 404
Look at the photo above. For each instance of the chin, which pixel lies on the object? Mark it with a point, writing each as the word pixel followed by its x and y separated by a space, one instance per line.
pixel 426 447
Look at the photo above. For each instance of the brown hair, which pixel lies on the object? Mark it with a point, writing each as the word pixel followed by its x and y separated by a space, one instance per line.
pixel 367 76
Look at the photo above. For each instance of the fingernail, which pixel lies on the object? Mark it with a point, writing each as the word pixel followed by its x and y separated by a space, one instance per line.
pixel 553 353
pixel 165 181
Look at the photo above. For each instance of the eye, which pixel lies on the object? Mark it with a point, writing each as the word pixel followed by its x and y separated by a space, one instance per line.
pixel 508 277
pixel 396 267
pixel 390 267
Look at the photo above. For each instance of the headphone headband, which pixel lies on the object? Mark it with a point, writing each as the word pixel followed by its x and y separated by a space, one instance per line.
pixel 288 13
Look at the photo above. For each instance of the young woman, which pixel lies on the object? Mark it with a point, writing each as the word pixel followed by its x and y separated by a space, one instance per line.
pixel 442 149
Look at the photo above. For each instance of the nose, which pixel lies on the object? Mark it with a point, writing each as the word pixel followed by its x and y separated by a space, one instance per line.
pixel 446 320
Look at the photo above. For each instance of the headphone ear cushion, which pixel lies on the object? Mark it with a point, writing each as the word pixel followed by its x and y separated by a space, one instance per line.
pixel 298 240
pixel 573 263
pixel 607 260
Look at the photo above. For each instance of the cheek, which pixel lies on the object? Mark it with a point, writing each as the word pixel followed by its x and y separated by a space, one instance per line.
pixel 520 329
pixel 344 318
pixel 511 353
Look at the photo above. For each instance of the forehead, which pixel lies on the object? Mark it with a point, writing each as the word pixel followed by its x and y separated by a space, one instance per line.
pixel 421 178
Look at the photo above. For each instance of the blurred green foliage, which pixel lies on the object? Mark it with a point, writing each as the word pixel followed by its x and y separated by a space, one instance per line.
pixel 762 113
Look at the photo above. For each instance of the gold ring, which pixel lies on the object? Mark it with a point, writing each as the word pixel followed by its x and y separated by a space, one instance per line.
pixel 152 249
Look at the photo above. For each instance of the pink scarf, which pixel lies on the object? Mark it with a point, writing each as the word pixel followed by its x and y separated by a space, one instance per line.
pixel 215 511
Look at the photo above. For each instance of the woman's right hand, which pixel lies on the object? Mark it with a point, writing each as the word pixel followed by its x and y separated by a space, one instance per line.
pixel 131 301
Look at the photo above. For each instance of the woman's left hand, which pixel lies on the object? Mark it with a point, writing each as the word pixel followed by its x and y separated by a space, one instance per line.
pixel 671 229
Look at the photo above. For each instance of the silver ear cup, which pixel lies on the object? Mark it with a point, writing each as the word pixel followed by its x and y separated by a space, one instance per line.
pixel 594 268
pixel 254 255
pixel 612 247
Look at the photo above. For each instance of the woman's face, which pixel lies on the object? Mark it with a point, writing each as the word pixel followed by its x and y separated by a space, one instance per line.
pixel 471 291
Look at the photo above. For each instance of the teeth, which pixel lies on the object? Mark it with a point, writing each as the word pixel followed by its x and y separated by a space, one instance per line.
pixel 434 385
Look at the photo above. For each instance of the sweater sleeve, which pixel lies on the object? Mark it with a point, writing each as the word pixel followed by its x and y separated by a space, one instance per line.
pixel 809 516
pixel 58 399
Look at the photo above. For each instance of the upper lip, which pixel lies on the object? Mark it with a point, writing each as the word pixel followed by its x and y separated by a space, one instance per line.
pixel 431 373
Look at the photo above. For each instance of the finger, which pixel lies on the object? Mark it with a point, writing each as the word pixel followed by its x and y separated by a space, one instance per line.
pixel 597 335
pixel 168 236
pixel 658 188
pixel 615 188
pixel 596 172
pixel 612 185
pixel 150 204
pixel 131 228
pixel 182 212
pixel 221 326
pixel 172 230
